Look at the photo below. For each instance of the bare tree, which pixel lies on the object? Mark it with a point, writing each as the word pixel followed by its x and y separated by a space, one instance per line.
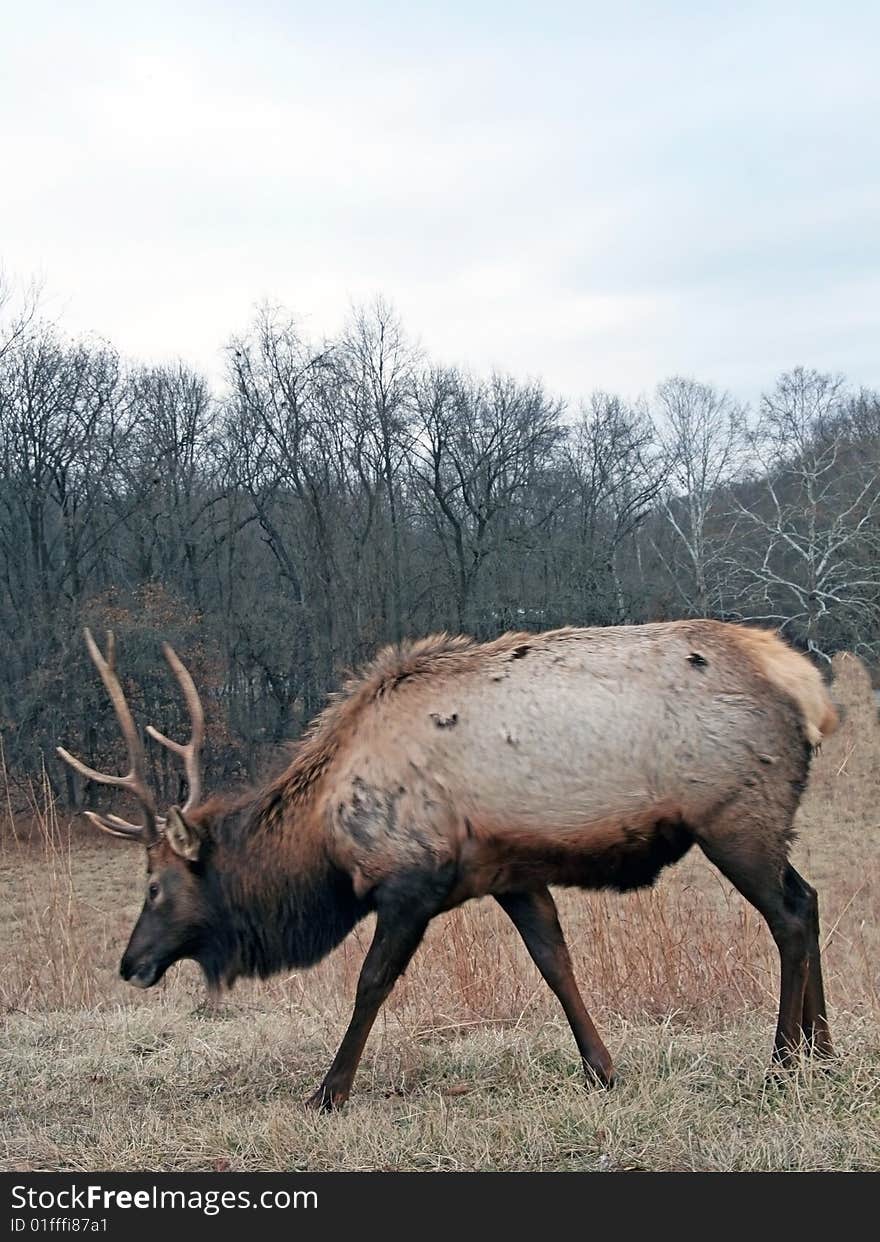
pixel 616 476
pixel 812 515
pixel 380 364
pixel 701 431
pixel 478 450
pixel 19 312
pixel 274 439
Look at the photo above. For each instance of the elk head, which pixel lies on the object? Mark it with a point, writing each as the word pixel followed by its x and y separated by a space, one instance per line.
pixel 175 920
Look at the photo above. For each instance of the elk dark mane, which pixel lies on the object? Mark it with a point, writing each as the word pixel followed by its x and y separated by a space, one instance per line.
pixel 278 900
pixel 289 922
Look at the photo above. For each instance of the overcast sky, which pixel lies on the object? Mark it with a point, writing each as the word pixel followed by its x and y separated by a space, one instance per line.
pixel 598 193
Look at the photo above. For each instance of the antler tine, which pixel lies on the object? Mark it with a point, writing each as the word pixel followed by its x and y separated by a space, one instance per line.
pixel 134 779
pixel 114 826
pixel 190 752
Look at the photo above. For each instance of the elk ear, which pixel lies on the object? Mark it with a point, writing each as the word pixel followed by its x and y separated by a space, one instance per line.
pixel 183 837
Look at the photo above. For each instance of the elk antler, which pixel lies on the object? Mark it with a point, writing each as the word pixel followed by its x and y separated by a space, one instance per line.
pixel 135 779
pixel 189 753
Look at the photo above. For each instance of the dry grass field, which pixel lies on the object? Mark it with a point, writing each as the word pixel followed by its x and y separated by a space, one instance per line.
pixel 471 1065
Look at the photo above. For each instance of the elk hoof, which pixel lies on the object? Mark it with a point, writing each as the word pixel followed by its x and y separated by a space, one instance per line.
pixel 600 1076
pixel 326 1100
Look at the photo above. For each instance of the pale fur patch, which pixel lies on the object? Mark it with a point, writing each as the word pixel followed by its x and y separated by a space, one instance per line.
pixel 793 673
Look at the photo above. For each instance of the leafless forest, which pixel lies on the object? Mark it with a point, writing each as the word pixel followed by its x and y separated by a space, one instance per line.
pixel 328 496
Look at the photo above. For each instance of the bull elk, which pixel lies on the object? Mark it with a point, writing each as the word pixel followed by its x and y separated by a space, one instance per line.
pixel 450 769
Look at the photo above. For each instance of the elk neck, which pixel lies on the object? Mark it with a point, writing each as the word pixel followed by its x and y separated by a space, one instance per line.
pixel 278 901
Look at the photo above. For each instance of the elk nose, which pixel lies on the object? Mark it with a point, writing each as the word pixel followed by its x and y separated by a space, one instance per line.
pixel 126 969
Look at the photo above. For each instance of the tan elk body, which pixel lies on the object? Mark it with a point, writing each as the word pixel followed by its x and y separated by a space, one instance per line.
pixel 450 769
pixel 546 751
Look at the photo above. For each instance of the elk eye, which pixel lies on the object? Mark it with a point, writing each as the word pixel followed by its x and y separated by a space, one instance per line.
pixel 153 890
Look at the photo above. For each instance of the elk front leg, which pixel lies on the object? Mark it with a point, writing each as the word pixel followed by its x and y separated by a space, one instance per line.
pixel 535 918
pixel 396 939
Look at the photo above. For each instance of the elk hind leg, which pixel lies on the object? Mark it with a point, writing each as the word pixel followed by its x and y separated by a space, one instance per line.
pixel 762 875
pixel 535 918
pixel 816 1032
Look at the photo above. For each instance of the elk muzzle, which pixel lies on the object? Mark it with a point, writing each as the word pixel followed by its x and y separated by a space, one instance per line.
pixel 152 948
pixel 140 974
